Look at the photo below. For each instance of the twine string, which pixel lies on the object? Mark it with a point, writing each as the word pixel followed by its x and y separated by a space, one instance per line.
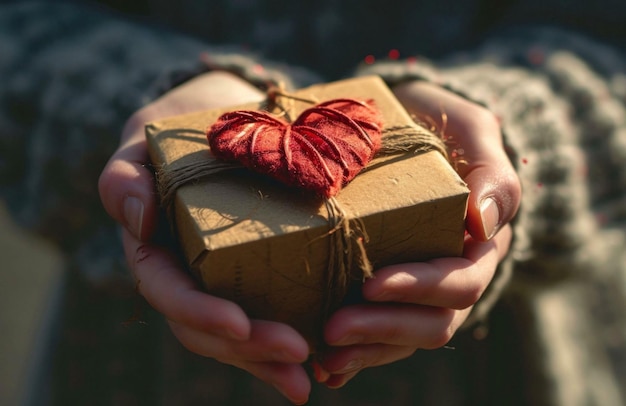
pixel 348 259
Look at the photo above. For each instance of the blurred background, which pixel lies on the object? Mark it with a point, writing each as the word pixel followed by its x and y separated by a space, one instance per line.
pixel 65 340
pixel 31 282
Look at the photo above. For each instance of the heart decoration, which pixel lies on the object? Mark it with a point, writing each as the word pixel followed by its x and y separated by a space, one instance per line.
pixel 322 150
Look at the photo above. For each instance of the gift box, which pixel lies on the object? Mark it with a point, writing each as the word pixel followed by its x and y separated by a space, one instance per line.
pixel 274 249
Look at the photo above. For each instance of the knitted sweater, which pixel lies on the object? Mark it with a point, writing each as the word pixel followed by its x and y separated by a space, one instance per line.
pixel 557 333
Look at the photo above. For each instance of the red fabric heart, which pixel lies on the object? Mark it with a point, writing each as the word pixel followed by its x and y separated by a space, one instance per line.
pixel 322 150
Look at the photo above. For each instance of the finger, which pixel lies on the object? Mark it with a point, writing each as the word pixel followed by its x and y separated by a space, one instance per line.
pixel 340 380
pixel 290 380
pixel 494 198
pixel 495 190
pixel 268 342
pixel 337 366
pixel 208 91
pixel 126 186
pixel 456 283
pixel 396 324
pixel 166 286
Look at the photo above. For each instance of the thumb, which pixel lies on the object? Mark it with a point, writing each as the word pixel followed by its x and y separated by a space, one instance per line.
pixel 126 185
pixel 495 190
pixel 493 200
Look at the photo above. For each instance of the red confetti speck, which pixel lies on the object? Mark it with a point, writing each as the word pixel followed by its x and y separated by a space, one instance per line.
pixel 480 333
pixel 258 68
pixel 394 54
pixel 539 185
pixel 524 161
pixel 536 55
pixel 584 170
pixel 411 59
pixel 370 59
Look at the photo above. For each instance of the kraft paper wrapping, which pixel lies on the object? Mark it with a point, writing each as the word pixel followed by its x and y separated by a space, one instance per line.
pixel 266 247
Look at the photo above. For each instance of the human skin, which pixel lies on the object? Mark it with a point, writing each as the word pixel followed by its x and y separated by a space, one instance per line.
pixel 431 300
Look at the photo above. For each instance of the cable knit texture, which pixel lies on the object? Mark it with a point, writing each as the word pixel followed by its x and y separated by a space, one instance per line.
pixel 554 312
pixel 567 127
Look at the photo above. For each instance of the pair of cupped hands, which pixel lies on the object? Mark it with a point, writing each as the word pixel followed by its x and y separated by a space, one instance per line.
pixel 408 306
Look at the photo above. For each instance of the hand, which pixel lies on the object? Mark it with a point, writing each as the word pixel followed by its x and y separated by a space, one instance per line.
pixel 421 305
pixel 206 325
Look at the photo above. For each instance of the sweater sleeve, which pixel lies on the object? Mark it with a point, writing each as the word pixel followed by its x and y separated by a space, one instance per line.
pixel 71 76
pixel 560 98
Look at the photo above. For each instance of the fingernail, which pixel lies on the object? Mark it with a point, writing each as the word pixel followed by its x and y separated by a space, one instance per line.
pixel 236 335
pixel 389 297
pixel 490 217
pixel 133 214
pixel 283 356
pixel 349 340
pixel 353 365
pixel 280 389
pixel 320 374
pixel 338 381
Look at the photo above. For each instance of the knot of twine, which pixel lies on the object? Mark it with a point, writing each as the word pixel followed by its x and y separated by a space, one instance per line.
pixel 348 259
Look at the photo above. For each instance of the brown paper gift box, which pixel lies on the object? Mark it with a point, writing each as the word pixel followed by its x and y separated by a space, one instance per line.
pixel 266 247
